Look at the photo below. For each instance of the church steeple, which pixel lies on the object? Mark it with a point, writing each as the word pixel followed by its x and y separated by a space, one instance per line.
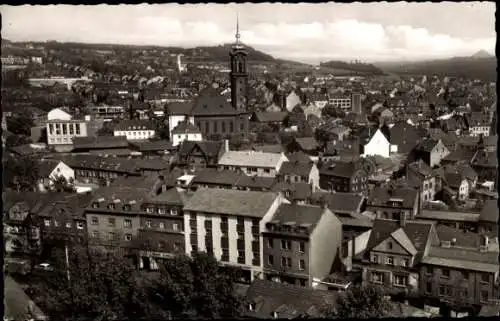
pixel 238 75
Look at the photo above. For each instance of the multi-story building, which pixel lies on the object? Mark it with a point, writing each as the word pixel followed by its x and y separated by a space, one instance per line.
pixel 341 176
pixel 340 101
pixel 393 254
pixel 201 154
pixel 431 151
pixel 392 203
pixel 301 243
pixel 134 129
pixel 228 224
pixel 420 175
pixel 161 229
pixel 300 172
pixel 478 123
pixel 460 273
pixel 106 112
pixel 185 131
pixel 253 163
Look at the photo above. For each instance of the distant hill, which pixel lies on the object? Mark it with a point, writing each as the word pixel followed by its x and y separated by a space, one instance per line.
pixel 476 66
pixel 482 54
pixel 356 67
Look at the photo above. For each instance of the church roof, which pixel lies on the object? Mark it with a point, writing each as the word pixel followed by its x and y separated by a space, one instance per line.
pixel 210 102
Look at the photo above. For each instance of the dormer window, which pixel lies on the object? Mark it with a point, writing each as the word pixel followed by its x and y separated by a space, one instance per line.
pixel 95 205
pixel 111 206
pixel 149 210
pixel 161 211
pixel 126 207
pixel 251 307
pixel 173 211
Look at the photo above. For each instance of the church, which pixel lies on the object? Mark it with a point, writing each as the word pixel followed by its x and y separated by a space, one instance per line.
pixel 212 113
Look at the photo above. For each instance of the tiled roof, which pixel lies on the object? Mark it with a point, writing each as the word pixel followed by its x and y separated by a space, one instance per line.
pixel 307 143
pixel 453 180
pixel 209 148
pixel 250 158
pixel 339 169
pixel 420 167
pixel 427 144
pixel 270 297
pixel 299 157
pixel 156 164
pixel 448 216
pixel 213 176
pixel 151 146
pixel 245 181
pixel 232 202
pixel 381 195
pixel 210 102
pixel 268 148
pixel 46 167
pixel 489 213
pixel 100 163
pixel 298 215
pixel 298 191
pixel 71 205
pixel 296 168
pixel 458 237
pixel 460 154
pixel 134 124
pixel 485 158
pixel 120 196
pixel 179 108
pixel 339 202
pixel 172 196
pixel 265 117
pixel 26 149
pixel 463 258
pixel 185 127
pixel 99 142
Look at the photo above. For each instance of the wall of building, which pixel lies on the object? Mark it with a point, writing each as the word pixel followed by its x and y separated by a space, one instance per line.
pixel 438 153
pixel 135 134
pixel 62 133
pixel 378 145
pixel 326 240
pixel 103 227
pixel 179 138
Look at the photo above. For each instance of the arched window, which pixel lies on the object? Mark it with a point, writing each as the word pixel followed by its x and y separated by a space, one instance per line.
pixel 240 67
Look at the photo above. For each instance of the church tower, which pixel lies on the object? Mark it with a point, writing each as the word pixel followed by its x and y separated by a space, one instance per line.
pixel 239 74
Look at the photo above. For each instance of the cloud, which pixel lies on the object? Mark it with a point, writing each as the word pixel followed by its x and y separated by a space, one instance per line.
pixel 304 32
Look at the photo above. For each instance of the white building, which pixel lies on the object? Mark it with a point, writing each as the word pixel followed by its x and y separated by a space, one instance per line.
pixel 292 101
pixel 228 224
pixel 51 170
pixel 253 163
pixel 178 112
pixel 61 127
pixel 378 144
pixel 341 102
pixel 185 131
pixel 134 129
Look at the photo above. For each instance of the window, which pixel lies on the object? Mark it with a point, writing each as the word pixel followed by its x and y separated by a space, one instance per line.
pixel 270 260
pixel 231 126
pixel 47 222
pixel 428 287
pixel 302 247
pixel 485 278
pixel 161 211
pixel 64 129
pixel 302 265
pixel 95 220
pixel 484 296
pixel 128 237
pixel 111 221
pixel 404 262
pixel 400 280
pixel 79 225
pixel 111 236
pixel 175 227
pixel 162 225
pixel 149 209
pixel 241 254
pixel 95 234
pixel 111 206
pixel 374 258
pixel 389 260
pixel 148 223
pixel 51 129
pixel 77 129
pixel 377 277
pixel 71 129
pixel 465 275
pixel 445 273
pixel 286 245
pixel 68 225
pixel 270 243
pixel 428 270
pixel 127 223
pixel 173 211
pixel 286 262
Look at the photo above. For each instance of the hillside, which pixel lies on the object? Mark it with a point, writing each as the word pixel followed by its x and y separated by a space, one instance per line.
pixel 356 67
pixel 468 67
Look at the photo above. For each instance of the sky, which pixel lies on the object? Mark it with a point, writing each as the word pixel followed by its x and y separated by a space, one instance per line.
pixel 303 32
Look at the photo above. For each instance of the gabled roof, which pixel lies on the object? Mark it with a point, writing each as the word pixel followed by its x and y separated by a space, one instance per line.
pixel 134 124
pixel 298 215
pixel 468 259
pixel 298 191
pixel 152 146
pixel 298 157
pixel 251 159
pixel 210 102
pixel 307 143
pixel 339 169
pixel 186 127
pixel 296 168
pixel 266 117
pixel 213 176
pixel 46 167
pixel 485 158
pixel 420 167
pixel 172 196
pixel 209 148
pixel 289 301
pixel 245 181
pixel 427 145
pixel 231 202
pixel 179 108
pixel 339 202
pixel 381 195
pixel 269 148
pixel 453 180
pixel 400 236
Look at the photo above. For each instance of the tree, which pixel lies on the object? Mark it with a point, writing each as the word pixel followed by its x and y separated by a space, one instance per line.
pixel 20 123
pixel 329 111
pixel 60 184
pixel 197 287
pixel 106 130
pixel 16 140
pixel 96 286
pixel 21 173
pixel 361 302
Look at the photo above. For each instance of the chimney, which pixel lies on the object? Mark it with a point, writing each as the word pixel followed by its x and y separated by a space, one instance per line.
pixel 226 145
pixel 453 241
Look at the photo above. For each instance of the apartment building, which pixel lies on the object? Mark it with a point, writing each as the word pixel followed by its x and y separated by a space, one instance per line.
pixel 134 129
pixel 341 101
pixel 300 244
pixel 253 163
pixel 228 224
pixel 393 203
pixel 341 176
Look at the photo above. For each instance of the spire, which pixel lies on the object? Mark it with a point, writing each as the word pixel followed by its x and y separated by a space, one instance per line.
pixel 237 28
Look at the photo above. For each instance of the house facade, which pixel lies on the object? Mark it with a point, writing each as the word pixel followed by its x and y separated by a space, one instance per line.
pixel 134 129
pixel 252 163
pixel 378 144
pixel 341 176
pixel 300 244
pixel 185 131
pixel 228 224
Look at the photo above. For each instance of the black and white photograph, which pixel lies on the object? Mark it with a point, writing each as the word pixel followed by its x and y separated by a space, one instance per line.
pixel 249 161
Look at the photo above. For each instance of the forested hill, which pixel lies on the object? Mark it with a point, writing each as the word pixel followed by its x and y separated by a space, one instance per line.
pixel 484 68
pixel 354 67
